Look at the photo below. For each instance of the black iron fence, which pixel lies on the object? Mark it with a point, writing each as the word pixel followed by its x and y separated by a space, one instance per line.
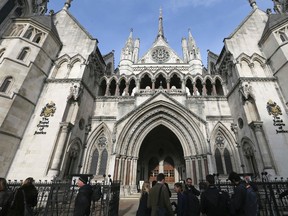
pixel 271 202
pixel 57 198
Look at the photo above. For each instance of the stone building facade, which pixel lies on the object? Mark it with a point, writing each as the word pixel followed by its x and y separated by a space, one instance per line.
pixel 66 109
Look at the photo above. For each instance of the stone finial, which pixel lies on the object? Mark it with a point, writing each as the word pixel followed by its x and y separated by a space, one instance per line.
pixel 253 4
pixel 67 4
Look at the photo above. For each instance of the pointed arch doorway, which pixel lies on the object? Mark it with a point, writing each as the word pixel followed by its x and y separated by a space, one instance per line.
pixel 161 152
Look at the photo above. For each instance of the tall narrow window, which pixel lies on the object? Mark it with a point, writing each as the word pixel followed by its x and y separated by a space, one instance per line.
pixel 228 162
pixel 23 54
pixel 103 163
pixel 219 163
pixel 94 162
pixel 6 84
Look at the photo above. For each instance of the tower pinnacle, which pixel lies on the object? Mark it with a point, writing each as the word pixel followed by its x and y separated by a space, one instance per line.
pixel 67 4
pixel 160 26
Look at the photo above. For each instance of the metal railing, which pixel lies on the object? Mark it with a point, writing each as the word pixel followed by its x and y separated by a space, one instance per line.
pixel 58 198
pixel 269 200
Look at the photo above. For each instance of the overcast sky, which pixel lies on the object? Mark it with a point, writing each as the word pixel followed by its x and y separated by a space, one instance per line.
pixel 110 21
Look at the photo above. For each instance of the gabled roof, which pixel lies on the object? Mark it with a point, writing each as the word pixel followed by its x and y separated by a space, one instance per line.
pixel 76 22
pixel 274 21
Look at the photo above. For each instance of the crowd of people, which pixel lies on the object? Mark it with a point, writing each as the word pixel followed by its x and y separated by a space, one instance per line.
pixel 211 201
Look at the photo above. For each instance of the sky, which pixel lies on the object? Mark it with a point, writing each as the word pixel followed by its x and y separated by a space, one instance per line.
pixel 110 21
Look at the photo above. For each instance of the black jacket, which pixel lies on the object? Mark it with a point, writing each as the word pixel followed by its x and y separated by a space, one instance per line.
pixel 143 210
pixel 214 202
pixel 238 200
pixel 6 197
pixel 17 206
pixel 83 201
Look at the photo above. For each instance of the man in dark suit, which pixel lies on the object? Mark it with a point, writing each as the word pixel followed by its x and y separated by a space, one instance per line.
pixel 158 199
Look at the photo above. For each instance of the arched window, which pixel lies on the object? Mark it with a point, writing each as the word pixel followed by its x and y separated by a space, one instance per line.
pixel 219 88
pixel 103 163
pixel 102 88
pixel 37 38
pixel 122 87
pixel 94 162
pixel 132 85
pixel 22 56
pixel 112 87
pixel 228 162
pixel 28 34
pixel 199 87
pixel 283 36
pixel 5 85
pixel 145 81
pixel 209 87
pixel 176 81
pixel 219 164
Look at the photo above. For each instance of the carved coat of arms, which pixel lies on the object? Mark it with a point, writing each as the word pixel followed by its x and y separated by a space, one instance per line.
pixel 273 109
pixel 48 110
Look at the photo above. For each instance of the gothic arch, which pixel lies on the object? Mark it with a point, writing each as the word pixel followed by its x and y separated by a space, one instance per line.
pixel 77 58
pixel 160 72
pixel 220 130
pixel 72 156
pixel 93 143
pixel 148 73
pixel 139 124
pixel 252 159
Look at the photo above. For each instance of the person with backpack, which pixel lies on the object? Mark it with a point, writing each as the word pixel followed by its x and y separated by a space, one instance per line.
pixel 214 202
pixel 244 200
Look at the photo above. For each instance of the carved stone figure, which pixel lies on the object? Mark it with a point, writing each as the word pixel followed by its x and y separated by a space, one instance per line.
pixel 246 90
pixel 75 91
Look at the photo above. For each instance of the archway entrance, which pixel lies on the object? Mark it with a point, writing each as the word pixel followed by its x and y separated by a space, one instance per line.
pixel 161 152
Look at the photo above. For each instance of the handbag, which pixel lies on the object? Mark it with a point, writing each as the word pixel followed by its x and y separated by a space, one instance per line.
pixel 28 211
pixel 160 210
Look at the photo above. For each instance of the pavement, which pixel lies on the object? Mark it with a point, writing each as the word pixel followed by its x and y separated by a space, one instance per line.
pixel 128 206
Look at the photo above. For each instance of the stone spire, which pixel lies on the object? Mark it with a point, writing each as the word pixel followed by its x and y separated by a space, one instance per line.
pixel 253 4
pixel 128 48
pixel 193 50
pixel 67 4
pixel 160 26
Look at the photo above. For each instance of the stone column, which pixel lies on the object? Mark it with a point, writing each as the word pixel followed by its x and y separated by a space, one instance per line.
pixel 204 90
pixel 116 177
pixel 168 84
pixel 194 171
pixel 200 171
pixel 194 89
pixel 65 128
pixel 183 85
pixel 128 173
pixel 263 146
pixel 153 85
pixel 107 90
pixel 127 89
pixel 188 167
pixel 123 169
pixel 117 89
pixel 133 182
pixel 214 92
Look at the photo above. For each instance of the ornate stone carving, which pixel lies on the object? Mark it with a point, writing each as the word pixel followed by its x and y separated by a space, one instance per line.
pixel 75 91
pixel 246 90
pixel 102 141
